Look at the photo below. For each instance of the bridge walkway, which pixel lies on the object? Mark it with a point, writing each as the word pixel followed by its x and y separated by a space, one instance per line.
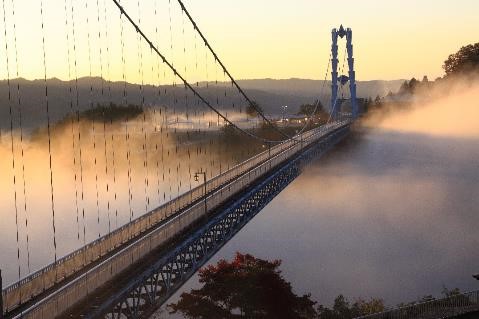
pixel 59 286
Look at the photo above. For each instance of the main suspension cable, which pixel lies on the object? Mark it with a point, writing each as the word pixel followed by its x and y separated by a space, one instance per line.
pixel 186 83
pixel 250 102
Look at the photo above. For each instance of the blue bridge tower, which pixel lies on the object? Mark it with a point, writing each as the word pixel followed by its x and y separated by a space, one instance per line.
pixel 342 79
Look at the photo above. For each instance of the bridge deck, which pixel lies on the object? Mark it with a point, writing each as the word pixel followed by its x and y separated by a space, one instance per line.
pixel 59 286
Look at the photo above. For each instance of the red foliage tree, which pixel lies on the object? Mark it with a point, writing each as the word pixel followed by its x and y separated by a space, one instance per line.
pixel 246 287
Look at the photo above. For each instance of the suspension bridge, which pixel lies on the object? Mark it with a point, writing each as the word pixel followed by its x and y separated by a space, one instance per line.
pixel 124 178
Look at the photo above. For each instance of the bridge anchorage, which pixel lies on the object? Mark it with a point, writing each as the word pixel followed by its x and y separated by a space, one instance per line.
pixel 343 79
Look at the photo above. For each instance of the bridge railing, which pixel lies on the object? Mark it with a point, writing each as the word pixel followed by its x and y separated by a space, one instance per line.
pixel 44 279
pixel 439 308
pixel 66 296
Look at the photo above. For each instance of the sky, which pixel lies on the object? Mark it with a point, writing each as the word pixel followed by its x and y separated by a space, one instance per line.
pixel 255 39
pixel 392 39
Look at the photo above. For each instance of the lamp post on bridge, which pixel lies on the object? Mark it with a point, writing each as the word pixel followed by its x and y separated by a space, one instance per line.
pixel 204 184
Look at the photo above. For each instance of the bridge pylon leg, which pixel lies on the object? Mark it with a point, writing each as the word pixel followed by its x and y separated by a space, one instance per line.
pixel 334 73
pixel 352 73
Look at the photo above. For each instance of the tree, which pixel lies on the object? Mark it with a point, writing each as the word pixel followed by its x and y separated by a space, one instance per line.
pixel 450 293
pixel 111 112
pixel 404 88
pixel 309 109
pixel 413 84
pixel 252 109
pixel 230 133
pixel 367 104
pixel 342 309
pixel 465 60
pixel 246 287
pixel 363 307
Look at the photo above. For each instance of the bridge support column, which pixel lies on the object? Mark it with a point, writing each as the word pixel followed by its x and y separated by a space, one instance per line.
pixel 352 73
pixel 334 74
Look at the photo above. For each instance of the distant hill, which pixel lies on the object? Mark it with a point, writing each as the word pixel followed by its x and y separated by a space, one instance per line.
pixel 303 87
pixel 62 96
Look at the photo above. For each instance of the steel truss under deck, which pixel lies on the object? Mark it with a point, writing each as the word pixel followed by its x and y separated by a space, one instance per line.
pixel 147 292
